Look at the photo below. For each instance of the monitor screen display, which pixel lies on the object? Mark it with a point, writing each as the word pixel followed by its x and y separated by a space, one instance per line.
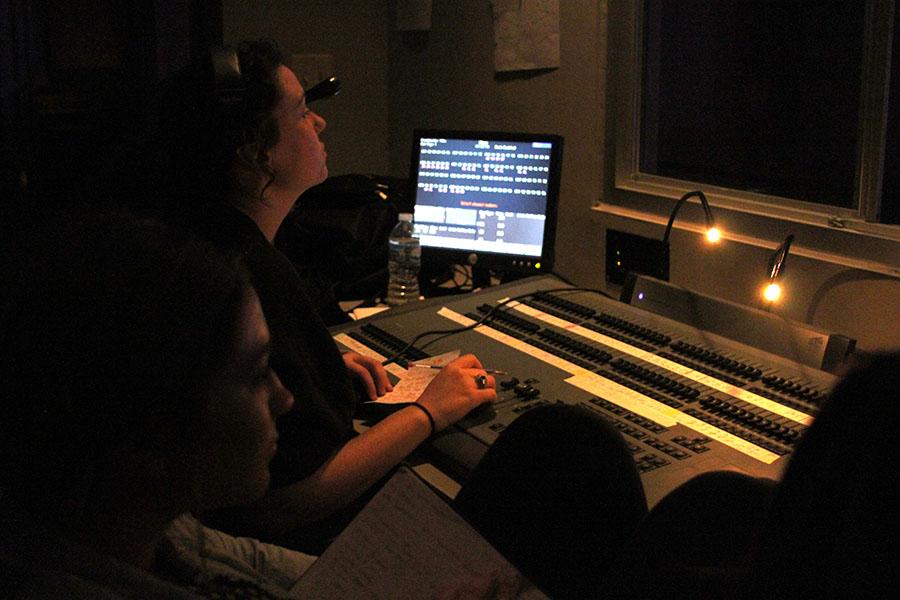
pixel 486 198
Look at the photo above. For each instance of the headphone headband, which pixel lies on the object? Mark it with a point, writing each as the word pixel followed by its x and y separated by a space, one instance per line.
pixel 227 74
pixel 229 84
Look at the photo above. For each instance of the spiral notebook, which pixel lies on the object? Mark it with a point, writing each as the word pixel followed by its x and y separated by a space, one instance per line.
pixel 406 543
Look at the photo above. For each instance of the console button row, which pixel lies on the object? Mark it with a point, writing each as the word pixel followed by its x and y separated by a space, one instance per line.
pixel 526 391
pixel 385 343
pixel 644 422
pixel 697 444
pixel 620 336
pixel 499 327
pixel 654 379
pixel 645 333
pixel 740 432
pixel 649 462
pixel 526 407
pixel 625 414
pixel 623 427
pixel 755 421
pixel 794 388
pixel 645 462
pixel 667 448
pixel 574 346
pixel 508 319
pixel 549 310
pixel 718 360
pixel 581 310
pixel 626 428
pixel 659 396
pixel 562 354
pixel 703 369
pixel 796 404
pixel 523 390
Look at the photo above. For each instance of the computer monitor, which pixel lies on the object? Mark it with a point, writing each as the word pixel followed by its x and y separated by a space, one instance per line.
pixel 486 199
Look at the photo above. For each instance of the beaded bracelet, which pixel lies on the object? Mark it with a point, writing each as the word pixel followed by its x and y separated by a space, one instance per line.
pixel 427 414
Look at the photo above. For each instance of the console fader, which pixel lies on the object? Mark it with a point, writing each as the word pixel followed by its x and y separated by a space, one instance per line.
pixel 685 399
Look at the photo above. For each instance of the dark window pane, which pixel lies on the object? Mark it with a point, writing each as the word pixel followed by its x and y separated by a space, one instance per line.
pixel 760 96
pixel 890 186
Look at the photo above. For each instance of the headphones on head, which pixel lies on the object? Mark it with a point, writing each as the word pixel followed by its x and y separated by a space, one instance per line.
pixel 229 85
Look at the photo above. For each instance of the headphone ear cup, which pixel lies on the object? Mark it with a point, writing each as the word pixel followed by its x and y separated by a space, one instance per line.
pixel 229 85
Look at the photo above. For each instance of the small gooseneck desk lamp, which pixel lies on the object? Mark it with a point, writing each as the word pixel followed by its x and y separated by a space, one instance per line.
pixel 713 235
pixel 772 291
pixel 626 252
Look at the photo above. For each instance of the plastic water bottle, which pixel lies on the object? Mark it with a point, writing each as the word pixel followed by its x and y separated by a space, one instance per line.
pixel 404 259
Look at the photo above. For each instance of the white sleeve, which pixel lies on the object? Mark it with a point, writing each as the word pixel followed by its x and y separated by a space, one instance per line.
pixel 217 553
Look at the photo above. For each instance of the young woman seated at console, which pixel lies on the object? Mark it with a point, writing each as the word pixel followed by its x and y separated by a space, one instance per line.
pixel 238 145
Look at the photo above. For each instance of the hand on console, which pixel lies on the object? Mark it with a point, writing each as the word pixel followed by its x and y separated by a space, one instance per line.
pixel 456 391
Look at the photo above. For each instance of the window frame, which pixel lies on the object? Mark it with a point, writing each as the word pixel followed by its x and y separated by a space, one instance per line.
pixel 849 236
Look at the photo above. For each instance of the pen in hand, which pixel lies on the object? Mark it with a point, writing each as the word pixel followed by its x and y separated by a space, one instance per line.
pixel 489 371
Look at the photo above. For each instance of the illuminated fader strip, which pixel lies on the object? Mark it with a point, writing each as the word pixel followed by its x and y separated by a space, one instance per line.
pixel 636 403
pixel 674 367
pixel 605 388
pixel 619 394
pixel 349 342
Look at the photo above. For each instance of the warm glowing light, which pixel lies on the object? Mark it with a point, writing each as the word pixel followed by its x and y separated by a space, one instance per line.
pixel 713 235
pixel 772 292
pixel 537 265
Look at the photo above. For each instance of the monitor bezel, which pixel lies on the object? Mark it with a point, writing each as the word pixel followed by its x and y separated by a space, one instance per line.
pixel 514 263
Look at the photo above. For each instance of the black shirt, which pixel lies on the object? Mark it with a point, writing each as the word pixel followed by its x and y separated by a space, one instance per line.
pixel 304 355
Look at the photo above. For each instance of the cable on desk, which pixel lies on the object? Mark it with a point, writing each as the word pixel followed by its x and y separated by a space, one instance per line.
pixel 443 333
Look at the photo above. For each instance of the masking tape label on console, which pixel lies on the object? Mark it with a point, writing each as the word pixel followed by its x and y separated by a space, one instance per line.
pixel 351 344
pixel 610 390
pixel 671 366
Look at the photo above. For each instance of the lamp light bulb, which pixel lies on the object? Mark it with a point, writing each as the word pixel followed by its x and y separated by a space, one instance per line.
pixel 772 292
pixel 713 235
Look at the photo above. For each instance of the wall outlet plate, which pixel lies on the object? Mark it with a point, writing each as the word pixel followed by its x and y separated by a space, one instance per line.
pixel 630 253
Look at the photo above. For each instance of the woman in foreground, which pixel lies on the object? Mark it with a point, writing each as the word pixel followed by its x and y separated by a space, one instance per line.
pixel 139 391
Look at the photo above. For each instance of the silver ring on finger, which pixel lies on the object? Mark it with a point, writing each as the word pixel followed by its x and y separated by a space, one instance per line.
pixel 481 381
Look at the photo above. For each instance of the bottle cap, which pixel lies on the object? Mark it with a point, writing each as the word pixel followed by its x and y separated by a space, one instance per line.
pixel 405 217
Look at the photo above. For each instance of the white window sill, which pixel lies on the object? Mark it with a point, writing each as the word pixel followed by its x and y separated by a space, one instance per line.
pixel 858 245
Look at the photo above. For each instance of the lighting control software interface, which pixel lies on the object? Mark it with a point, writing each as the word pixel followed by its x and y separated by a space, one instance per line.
pixel 482 195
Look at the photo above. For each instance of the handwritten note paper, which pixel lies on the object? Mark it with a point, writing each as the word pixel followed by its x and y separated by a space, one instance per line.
pixel 410 387
pixel 414 380
pixel 406 543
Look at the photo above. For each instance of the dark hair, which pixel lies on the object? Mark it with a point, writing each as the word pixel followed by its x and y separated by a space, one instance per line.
pixel 199 137
pixel 111 331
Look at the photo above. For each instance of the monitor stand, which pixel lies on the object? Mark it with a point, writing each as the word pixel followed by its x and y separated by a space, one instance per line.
pixel 444 279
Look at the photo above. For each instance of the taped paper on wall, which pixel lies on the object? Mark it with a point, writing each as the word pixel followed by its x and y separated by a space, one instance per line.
pixel 526 34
